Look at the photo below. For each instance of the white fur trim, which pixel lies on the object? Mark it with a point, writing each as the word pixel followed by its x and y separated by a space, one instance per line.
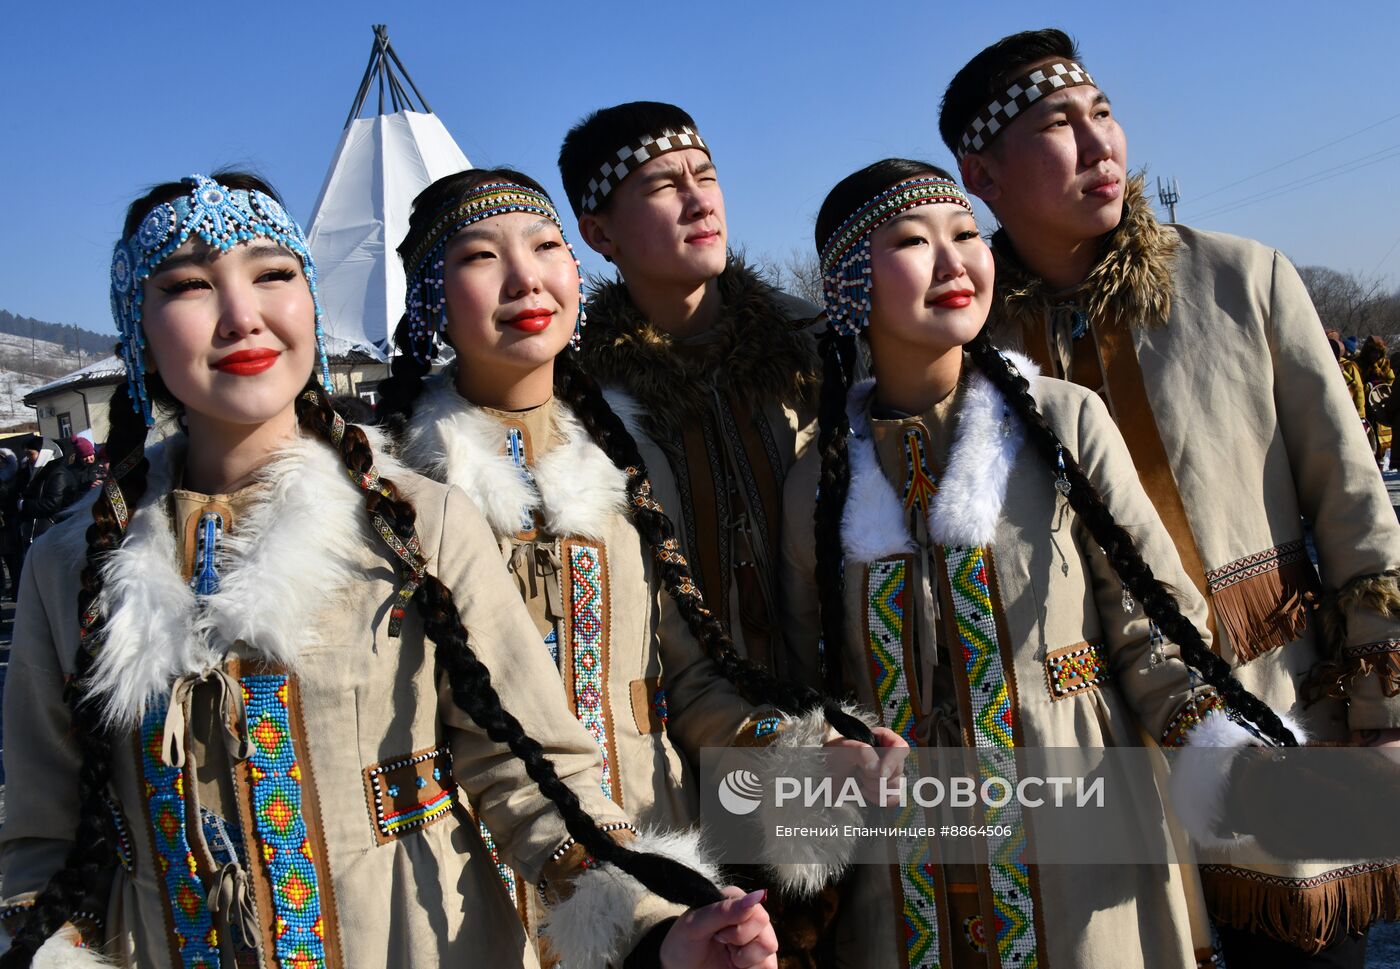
pixel 806 866
pixel 872 523
pixel 577 490
pixel 59 952
pixel 972 490
pixel 284 563
pixel 1200 775
pixel 590 928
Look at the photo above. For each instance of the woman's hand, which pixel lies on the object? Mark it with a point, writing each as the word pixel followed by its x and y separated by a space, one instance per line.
pixel 733 934
pixel 884 760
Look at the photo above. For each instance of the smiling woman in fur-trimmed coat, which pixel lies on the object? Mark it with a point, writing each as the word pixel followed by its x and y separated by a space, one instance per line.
pixel 235 747
pixel 958 578
pixel 559 478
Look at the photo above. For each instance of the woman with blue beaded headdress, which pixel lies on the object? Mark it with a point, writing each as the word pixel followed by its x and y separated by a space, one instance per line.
pixel 527 435
pixel 969 578
pixel 238 748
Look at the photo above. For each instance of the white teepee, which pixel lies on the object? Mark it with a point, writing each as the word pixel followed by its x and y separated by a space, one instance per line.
pixel 382 162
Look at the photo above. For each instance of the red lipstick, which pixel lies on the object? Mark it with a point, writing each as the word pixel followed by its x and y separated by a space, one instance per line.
pixel 955 299
pixel 531 321
pixel 246 363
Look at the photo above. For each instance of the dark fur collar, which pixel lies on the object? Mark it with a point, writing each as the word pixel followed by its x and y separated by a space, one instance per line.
pixel 757 353
pixel 1132 283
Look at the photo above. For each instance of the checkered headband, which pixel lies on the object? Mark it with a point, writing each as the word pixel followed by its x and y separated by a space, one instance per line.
pixel 629 158
pixel 1023 92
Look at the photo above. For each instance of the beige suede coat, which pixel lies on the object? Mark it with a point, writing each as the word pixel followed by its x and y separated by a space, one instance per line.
pixel 1212 360
pixel 383 863
pixel 1076 668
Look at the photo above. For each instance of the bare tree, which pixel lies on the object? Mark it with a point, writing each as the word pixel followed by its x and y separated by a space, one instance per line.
pixel 1353 305
pixel 799 274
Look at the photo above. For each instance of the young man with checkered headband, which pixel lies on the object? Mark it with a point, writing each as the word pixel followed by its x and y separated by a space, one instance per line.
pixel 1213 363
pixel 713 362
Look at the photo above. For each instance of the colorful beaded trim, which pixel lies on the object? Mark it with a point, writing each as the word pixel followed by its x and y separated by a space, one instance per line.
pixel 1075 670
pixel 426 302
pixel 223 218
pixel 506 872
pixel 659 705
pixel 919 486
pixel 885 598
pixel 629 158
pixel 1192 712
pixel 204 580
pixel 196 939
pixel 992 724
pixel 394 819
pixel 845 259
pixel 276 778
pixel 1020 95
pixel 587 639
pixel 126 853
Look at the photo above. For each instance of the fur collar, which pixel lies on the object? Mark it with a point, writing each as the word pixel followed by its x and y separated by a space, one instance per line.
pixel 577 490
pixel 1132 283
pixel 296 549
pixel 971 491
pixel 759 352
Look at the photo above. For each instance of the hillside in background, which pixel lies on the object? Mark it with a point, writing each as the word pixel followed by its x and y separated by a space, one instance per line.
pixel 67 335
pixel 34 352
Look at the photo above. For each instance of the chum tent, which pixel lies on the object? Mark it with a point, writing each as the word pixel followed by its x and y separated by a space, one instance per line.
pixel 381 163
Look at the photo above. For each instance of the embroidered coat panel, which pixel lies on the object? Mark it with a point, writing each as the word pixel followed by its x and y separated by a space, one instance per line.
pixel 1053 593
pixel 402 878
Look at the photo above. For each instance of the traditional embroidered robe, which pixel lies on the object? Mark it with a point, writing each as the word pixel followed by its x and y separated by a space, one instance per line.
pixel 633 672
pixel 728 412
pixel 356 850
pixel 980 612
pixel 1212 361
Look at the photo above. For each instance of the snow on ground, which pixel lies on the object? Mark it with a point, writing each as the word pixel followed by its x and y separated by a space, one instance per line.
pixel 26 364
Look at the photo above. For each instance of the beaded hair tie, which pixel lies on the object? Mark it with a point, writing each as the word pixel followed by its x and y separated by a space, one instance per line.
pixel 1020 95
pixel 845 259
pixel 223 218
pixel 426 304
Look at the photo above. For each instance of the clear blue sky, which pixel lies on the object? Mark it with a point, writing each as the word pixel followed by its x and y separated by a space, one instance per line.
pixel 106 98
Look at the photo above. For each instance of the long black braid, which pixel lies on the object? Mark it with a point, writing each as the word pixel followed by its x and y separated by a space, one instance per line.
pixel 1157 601
pixel 470 680
pixel 92 854
pixel 581 392
pixel 833 429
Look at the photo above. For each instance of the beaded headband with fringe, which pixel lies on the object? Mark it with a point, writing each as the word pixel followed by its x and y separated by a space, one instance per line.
pixel 845 259
pixel 1020 95
pixel 426 305
pixel 629 158
pixel 223 218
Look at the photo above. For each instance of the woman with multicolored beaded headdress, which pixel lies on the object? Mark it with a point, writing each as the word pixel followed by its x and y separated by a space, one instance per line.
pixel 958 577
pixel 515 424
pixel 236 747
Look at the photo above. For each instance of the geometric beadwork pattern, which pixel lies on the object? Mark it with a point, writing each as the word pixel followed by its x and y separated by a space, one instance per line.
pixel 275 773
pixel 920 916
pixel 586 615
pixel 195 935
pixel 991 719
pixel 410 792
pixel 919 486
pixel 1075 669
pixel 885 600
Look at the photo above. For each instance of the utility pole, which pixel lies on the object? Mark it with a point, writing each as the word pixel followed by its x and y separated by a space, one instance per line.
pixel 1168 194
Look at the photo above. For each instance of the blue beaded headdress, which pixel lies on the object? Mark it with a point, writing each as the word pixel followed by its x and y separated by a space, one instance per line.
pixel 426 304
pixel 845 259
pixel 223 217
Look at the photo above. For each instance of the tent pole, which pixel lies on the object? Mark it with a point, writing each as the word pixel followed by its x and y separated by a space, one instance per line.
pixel 409 78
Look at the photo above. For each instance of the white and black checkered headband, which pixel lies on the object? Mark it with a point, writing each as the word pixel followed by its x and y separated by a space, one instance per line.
pixel 1023 92
pixel 629 158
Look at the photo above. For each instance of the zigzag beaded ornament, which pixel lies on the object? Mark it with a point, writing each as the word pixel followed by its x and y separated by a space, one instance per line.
pixel 222 217
pixel 845 259
pixel 426 304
